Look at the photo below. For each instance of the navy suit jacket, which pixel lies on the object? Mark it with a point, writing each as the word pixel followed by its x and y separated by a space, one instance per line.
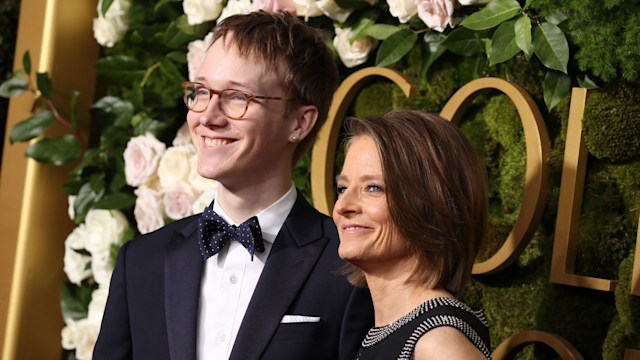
pixel 152 309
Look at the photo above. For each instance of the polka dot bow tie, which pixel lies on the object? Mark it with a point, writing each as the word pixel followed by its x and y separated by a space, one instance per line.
pixel 214 232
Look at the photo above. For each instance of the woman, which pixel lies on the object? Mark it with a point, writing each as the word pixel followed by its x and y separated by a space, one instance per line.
pixel 411 214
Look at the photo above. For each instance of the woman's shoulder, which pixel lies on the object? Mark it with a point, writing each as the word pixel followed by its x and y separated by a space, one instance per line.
pixel 446 342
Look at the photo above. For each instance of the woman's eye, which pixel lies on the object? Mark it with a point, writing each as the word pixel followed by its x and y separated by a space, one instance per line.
pixel 341 189
pixel 374 188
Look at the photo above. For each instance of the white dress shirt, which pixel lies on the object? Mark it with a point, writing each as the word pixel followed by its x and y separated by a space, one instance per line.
pixel 229 279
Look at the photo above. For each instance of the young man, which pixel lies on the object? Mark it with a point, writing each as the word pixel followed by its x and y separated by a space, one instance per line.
pixel 213 286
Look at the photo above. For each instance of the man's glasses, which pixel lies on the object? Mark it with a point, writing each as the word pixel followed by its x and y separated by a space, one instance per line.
pixel 232 103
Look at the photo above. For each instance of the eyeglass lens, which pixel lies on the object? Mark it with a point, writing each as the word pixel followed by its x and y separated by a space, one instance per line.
pixel 233 103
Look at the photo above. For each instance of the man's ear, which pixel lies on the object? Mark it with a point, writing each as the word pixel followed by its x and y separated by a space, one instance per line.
pixel 304 120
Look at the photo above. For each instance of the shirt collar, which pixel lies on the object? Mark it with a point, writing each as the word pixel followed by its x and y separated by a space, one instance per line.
pixel 272 218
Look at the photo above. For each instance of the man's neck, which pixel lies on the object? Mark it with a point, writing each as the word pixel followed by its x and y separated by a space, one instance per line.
pixel 241 203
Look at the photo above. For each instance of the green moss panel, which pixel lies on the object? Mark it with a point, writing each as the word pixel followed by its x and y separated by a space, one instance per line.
pixel 611 125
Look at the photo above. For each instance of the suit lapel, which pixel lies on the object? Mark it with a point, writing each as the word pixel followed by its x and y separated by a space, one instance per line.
pixel 183 272
pixel 294 254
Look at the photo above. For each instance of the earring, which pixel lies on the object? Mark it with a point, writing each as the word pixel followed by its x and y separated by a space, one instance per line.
pixel 294 138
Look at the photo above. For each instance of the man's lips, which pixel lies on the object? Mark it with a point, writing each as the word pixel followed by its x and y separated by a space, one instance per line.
pixel 214 142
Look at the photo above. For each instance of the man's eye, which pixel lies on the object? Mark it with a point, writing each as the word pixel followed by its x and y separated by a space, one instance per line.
pixel 236 96
pixel 202 92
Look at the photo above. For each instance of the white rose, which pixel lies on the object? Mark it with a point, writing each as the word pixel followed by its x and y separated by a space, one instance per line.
pixel 275 5
pixel 97 304
pixel 174 165
pixel 199 11
pixel 177 200
pixel 307 8
pixel 141 158
pixel 76 264
pixel 101 268
pixel 104 227
pixel 352 53
pixel 473 2
pixel 71 199
pixel 68 335
pixel 436 13
pixel 204 200
pixel 196 50
pixel 148 210
pixel 235 7
pixel 110 28
pixel 80 335
pixel 404 10
pixel 197 181
pixel 333 10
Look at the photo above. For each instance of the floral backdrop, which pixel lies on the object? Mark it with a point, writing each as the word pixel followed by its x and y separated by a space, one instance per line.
pixel 137 170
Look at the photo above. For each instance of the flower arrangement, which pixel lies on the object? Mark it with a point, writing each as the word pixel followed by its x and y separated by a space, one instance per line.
pixel 141 174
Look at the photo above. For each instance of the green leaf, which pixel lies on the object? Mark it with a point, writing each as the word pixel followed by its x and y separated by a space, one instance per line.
pixel 113 110
pixel 432 50
pixel 106 4
pixel 381 31
pixel 74 112
pixel 13 87
pixel 84 201
pixel 32 127
pixel 586 82
pixel 180 33
pixel 44 84
pixel 556 86
pixel 551 47
pixel 522 29
pixel 492 15
pixel 178 56
pixel 74 301
pixel 120 68
pixel 56 151
pixel 557 17
pixel 463 41
pixel 366 20
pixel 503 44
pixel 395 47
pixel 26 62
pixel 169 70
pixel 116 201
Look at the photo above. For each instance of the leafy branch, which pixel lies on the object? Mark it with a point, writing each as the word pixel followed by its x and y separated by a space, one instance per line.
pixel 55 151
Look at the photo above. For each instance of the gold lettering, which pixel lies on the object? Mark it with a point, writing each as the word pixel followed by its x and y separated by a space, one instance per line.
pixel 536 183
pixel 635 278
pixel 324 152
pixel 511 346
pixel 631 354
pixel 574 169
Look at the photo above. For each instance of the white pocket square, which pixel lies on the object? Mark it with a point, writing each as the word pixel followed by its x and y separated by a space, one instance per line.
pixel 289 319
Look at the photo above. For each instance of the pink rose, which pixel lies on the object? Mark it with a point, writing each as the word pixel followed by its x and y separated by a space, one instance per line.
pixel 177 201
pixel 436 13
pixel 275 5
pixel 141 158
pixel 196 50
pixel 148 211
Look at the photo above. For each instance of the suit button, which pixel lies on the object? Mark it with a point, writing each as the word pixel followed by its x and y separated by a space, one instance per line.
pixel 233 279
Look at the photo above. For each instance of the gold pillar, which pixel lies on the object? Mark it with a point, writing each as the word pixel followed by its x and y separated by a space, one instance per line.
pixel 33 207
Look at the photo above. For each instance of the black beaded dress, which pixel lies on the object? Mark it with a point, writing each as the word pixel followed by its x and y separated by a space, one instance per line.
pixel 398 339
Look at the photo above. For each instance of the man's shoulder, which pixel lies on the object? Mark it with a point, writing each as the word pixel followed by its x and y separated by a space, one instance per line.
pixel 162 236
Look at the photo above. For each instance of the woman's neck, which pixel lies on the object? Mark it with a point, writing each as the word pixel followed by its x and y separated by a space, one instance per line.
pixel 393 297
